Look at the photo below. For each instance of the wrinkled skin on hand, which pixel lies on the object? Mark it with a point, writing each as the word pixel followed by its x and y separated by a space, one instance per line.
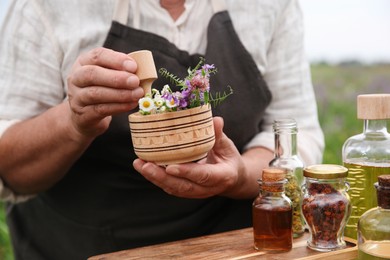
pixel 102 83
pixel 219 174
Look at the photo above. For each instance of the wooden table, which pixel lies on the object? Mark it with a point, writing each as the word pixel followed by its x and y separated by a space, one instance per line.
pixel 236 244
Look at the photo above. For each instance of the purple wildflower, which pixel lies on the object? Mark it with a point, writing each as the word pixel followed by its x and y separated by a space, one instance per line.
pixel 188 84
pixel 183 103
pixel 208 67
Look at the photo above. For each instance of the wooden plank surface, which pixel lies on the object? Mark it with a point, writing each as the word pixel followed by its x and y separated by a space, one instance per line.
pixel 235 245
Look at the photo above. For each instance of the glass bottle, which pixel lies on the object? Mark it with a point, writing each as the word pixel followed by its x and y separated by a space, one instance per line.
pixel 367 155
pixel 286 156
pixel 374 225
pixel 272 213
pixel 326 206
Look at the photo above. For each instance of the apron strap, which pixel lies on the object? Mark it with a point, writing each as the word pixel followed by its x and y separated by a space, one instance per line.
pixel 218 5
pixel 121 11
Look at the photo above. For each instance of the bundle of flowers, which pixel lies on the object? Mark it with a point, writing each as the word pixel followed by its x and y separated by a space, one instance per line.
pixel 194 91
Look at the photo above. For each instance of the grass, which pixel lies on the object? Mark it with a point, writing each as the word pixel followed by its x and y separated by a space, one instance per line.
pixel 336 89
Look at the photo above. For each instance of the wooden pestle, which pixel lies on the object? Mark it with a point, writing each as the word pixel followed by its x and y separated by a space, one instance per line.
pixel 146 70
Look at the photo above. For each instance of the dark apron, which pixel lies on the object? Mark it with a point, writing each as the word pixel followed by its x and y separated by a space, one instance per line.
pixel 104 205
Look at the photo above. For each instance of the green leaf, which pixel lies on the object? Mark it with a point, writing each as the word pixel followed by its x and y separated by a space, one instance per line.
pixel 215 101
pixel 171 77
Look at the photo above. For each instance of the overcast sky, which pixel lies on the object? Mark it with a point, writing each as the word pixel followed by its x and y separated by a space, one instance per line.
pixel 340 29
pixel 347 29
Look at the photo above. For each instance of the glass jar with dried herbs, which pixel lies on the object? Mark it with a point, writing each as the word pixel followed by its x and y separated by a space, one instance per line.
pixel 326 206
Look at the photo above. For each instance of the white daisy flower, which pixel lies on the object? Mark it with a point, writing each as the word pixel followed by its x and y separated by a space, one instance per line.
pixel 146 104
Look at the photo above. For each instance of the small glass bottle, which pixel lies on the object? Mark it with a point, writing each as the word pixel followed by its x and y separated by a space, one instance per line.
pixel 326 206
pixel 367 155
pixel 286 156
pixel 374 225
pixel 272 213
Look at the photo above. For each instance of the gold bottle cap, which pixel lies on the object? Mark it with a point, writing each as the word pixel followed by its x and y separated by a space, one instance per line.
pixel 325 171
pixel 373 106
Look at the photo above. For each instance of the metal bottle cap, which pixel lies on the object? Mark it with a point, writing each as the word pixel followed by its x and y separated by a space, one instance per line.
pixel 325 171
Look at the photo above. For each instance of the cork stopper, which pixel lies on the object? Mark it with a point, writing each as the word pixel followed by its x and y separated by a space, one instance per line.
pixel 384 180
pixel 273 179
pixel 274 174
pixel 146 70
pixel 373 106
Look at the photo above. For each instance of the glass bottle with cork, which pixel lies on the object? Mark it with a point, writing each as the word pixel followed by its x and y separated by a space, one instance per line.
pixel 367 155
pixel 374 225
pixel 286 156
pixel 272 213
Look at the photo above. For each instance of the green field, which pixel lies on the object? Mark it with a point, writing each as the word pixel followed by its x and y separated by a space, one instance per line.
pixel 336 88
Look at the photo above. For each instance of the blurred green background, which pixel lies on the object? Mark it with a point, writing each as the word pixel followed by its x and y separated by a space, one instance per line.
pixel 336 88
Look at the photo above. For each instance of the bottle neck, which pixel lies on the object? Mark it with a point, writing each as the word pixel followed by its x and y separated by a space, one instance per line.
pixel 267 193
pixel 272 188
pixel 285 143
pixel 375 126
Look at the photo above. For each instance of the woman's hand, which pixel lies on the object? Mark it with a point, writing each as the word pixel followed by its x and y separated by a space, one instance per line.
pixel 224 172
pixel 102 83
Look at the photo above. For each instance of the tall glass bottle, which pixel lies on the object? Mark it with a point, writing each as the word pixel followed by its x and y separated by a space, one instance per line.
pixel 367 155
pixel 286 156
pixel 374 225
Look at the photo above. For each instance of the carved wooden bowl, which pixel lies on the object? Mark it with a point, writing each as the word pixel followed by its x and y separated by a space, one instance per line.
pixel 173 137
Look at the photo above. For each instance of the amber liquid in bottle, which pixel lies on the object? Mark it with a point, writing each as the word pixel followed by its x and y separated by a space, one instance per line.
pixel 272 228
pixel 272 213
